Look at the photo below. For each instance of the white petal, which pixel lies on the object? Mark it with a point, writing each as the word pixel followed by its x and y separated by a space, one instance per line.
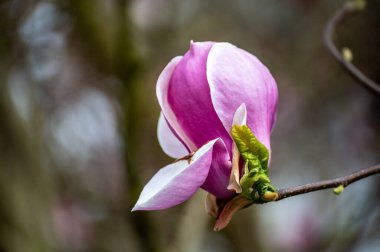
pixel 240 116
pixel 169 142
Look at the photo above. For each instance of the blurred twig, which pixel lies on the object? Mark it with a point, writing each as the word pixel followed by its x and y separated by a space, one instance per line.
pixel 335 20
pixel 326 184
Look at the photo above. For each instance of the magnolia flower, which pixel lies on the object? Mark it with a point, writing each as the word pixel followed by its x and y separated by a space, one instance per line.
pixel 202 95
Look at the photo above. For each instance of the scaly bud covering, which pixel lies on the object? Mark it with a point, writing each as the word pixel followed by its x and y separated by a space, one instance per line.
pixel 201 95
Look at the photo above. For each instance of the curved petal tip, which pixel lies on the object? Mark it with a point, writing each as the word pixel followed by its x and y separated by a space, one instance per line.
pixel 177 182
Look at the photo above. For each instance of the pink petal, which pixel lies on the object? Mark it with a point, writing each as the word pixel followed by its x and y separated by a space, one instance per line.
pixel 162 96
pixel 169 142
pixel 177 182
pixel 219 174
pixel 237 77
pixel 189 97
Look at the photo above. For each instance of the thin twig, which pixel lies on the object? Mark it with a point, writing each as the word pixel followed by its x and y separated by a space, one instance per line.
pixel 325 184
pixel 335 20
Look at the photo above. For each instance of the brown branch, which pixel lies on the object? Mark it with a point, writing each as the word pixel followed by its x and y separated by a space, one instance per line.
pixel 335 20
pixel 239 201
pixel 326 184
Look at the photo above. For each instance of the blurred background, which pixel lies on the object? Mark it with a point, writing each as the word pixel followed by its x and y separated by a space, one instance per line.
pixel 78 117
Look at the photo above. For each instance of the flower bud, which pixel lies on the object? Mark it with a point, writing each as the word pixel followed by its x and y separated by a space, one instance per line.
pixel 200 94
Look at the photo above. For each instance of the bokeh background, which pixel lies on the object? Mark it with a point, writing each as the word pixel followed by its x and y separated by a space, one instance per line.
pixel 78 116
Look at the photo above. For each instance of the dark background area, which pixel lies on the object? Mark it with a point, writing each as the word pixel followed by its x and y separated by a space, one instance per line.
pixel 78 118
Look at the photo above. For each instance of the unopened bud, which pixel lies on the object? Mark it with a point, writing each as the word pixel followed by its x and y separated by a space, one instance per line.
pixel 269 196
pixel 338 190
pixel 347 54
pixel 359 4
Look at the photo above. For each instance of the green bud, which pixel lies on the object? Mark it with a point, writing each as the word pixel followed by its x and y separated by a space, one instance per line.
pixel 347 54
pixel 338 190
pixel 269 196
pixel 359 4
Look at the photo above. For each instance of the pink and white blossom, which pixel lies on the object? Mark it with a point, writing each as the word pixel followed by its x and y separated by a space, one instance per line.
pixel 200 94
